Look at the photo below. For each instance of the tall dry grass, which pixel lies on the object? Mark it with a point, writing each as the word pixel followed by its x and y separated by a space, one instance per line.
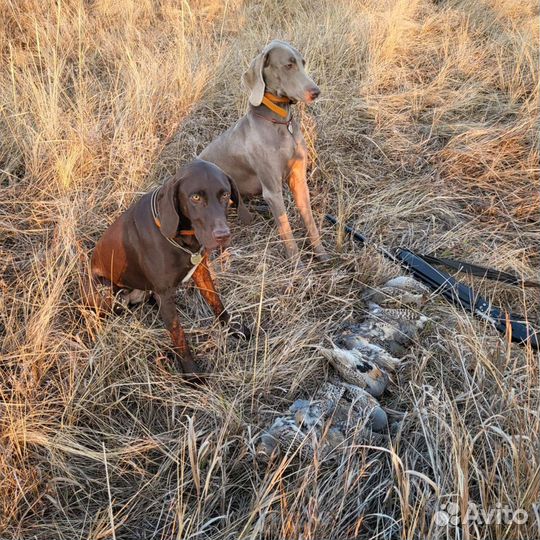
pixel 425 136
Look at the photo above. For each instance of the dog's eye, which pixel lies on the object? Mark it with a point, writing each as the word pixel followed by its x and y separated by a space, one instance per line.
pixel 196 198
pixel 289 66
pixel 226 195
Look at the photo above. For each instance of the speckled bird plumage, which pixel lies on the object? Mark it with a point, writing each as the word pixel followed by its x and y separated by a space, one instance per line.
pixel 372 352
pixel 346 407
pixel 389 329
pixel 286 435
pixel 399 291
pixel 354 368
pixel 337 411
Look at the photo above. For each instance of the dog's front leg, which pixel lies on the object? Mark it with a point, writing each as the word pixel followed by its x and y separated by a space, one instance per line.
pixel 167 310
pixel 205 284
pixel 277 206
pixel 298 185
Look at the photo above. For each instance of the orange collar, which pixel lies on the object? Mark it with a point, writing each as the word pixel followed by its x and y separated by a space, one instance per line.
pixel 269 100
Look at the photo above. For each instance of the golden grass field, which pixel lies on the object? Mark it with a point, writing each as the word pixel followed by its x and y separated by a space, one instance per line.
pixel 425 136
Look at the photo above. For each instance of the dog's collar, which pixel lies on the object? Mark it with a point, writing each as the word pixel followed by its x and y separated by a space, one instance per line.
pixel 269 101
pixel 288 123
pixel 195 258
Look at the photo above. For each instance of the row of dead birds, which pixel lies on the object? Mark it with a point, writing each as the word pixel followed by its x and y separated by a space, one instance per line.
pixel 363 359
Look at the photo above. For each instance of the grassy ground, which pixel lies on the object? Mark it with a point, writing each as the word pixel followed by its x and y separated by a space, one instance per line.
pixel 425 136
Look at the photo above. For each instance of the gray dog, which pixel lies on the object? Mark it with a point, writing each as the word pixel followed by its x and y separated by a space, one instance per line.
pixel 266 146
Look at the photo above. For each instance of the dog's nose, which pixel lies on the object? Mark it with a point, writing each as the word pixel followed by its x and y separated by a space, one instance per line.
pixel 314 93
pixel 221 235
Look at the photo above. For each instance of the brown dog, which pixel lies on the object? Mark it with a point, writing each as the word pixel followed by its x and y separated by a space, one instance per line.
pixel 161 241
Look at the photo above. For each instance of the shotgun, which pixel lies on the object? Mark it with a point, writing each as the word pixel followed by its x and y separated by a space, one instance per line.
pixel 515 326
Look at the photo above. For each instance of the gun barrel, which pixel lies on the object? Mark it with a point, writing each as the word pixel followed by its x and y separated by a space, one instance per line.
pixel 518 329
pixel 356 235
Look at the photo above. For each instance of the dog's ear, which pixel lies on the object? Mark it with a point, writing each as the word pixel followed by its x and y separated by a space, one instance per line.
pixel 167 206
pixel 244 215
pixel 253 78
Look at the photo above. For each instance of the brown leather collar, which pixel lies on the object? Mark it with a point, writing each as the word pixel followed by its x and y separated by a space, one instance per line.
pixel 273 120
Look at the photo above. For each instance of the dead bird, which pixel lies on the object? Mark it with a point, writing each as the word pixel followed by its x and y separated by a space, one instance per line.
pixel 382 334
pixel 355 369
pixel 374 353
pixel 402 290
pixel 309 414
pixel 346 408
pixel 356 408
pixel 404 317
pixel 322 424
pixel 390 329
pixel 351 405
pixel 284 434
pixel 330 393
pixel 300 430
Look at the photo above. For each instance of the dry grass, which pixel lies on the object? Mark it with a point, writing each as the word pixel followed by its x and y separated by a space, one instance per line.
pixel 425 136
